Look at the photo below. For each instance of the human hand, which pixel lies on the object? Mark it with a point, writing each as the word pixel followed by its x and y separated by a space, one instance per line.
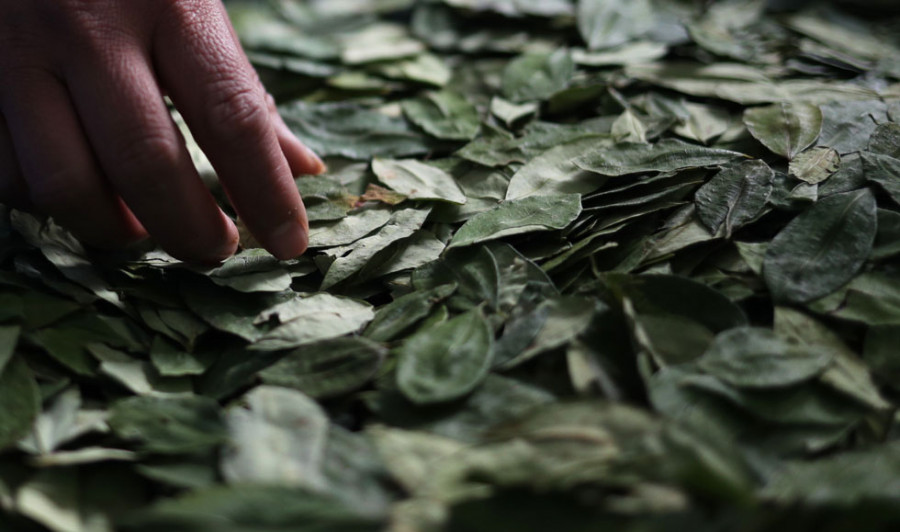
pixel 85 135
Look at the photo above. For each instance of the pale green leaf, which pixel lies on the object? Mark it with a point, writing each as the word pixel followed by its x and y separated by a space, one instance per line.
pixel 816 165
pixel 418 180
pixel 785 128
pixel 664 156
pixel 525 215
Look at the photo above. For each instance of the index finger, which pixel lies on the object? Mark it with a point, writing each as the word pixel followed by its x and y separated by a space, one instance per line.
pixel 210 80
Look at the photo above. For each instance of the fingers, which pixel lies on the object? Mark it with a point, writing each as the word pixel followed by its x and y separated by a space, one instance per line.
pixel 213 85
pixel 301 159
pixel 62 177
pixel 13 191
pixel 145 159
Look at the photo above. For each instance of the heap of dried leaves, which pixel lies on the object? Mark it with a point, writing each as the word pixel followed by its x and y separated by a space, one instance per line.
pixel 578 265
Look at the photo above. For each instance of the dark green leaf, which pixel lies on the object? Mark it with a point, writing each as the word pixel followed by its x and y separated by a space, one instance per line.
pixel 169 426
pixel 735 196
pixel 327 369
pixel 404 312
pixel 353 132
pixel 822 249
pixel 446 362
pixel 537 75
pixel 20 402
pixel 756 358
pixel 444 115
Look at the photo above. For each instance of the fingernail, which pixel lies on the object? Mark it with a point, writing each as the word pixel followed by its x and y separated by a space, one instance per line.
pixel 289 240
pixel 319 165
pixel 231 244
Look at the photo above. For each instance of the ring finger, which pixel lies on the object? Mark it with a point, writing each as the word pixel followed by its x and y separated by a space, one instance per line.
pixel 62 176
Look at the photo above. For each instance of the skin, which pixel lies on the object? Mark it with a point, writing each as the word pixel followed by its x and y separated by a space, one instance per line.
pixel 85 135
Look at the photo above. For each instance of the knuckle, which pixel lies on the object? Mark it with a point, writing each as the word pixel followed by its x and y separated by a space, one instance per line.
pixel 147 152
pixel 237 113
pixel 91 27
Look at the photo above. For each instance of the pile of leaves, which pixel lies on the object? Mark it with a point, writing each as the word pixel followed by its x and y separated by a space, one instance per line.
pixel 576 264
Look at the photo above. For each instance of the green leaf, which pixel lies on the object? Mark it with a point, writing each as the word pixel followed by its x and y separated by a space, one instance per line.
pixel 511 114
pixel 245 507
pixel 872 298
pixel 704 123
pixel 673 295
pixel 752 357
pixel 418 250
pixel 352 132
pixel 735 196
pixel 9 339
pixel 849 124
pixel 62 421
pixel 424 68
pixel 252 270
pixel 537 75
pixel 138 376
pixel 348 229
pixel 608 23
pixel 848 374
pixel 399 315
pixel 446 362
pixel 226 310
pixel 500 149
pixel 822 249
pixel 417 180
pixel 327 369
pixel 352 258
pixel 883 171
pixel 305 320
pixel 169 426
pixel 171 361
pixel 561 320
pixel 860 478
pixel 277 436
pixel 745 84
pixel 627 54
pixel 517 8
pixel 665 156
pixel 885 140
pixel 444 115
pixel 379 42
pixel 67 341
pixel 20 402
pixel 474 271
pixel 880 353
pixel 785 128
pixel 515 217
pixel 816 165
pixel 554 172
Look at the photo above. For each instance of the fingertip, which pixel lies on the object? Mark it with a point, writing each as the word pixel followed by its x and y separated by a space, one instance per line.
pixel 231 241
pixel 316 164
pixel 288 240
pixel 209 249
